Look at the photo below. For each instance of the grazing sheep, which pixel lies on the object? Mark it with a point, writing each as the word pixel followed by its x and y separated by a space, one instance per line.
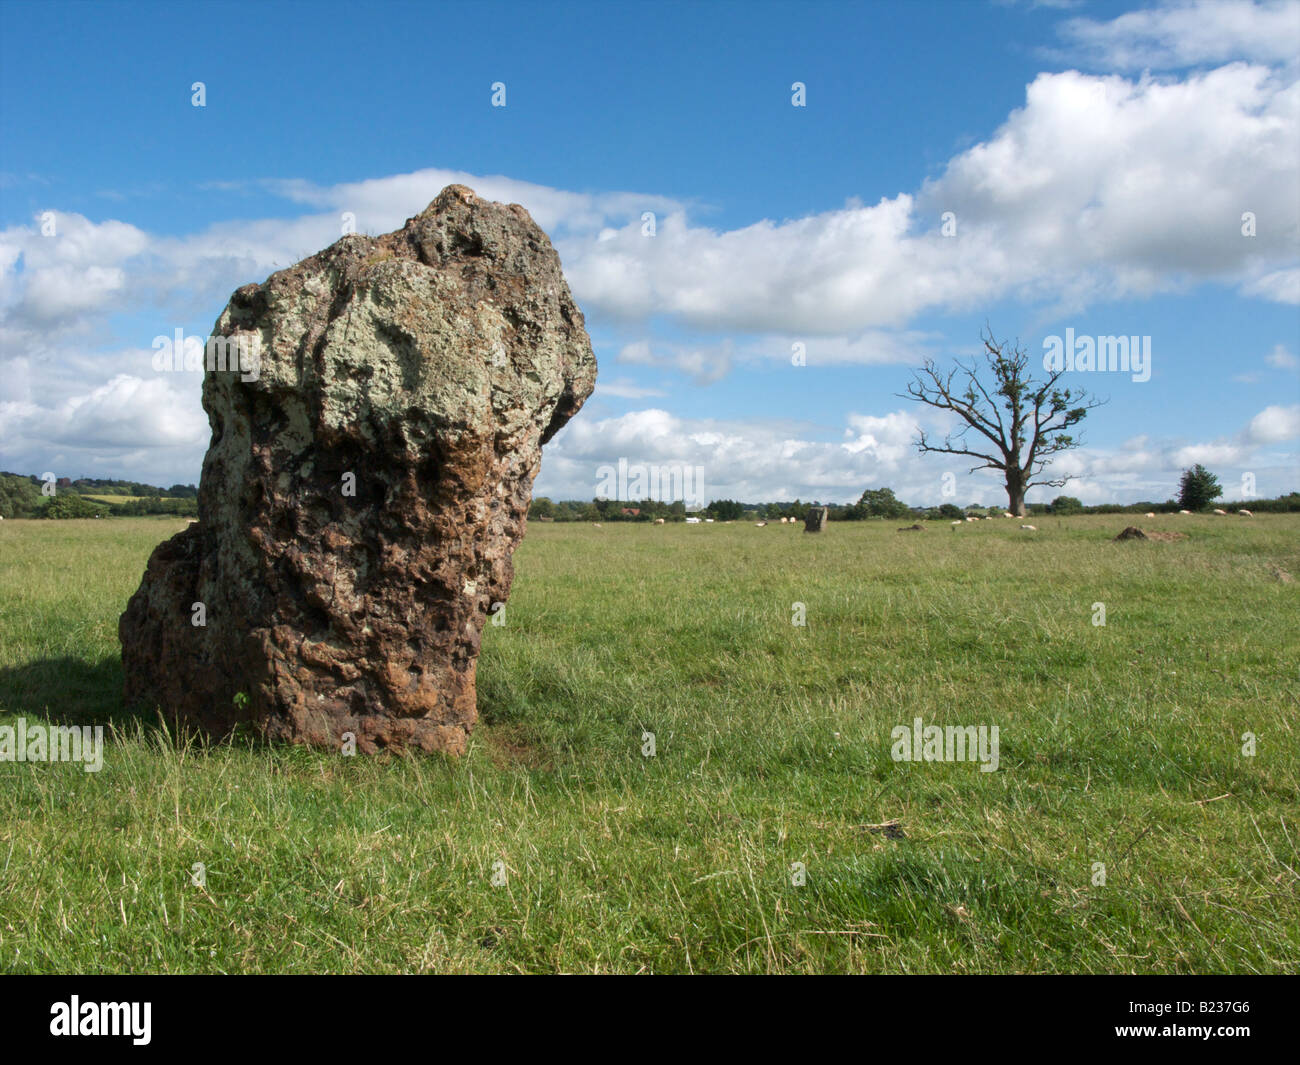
pixel 759 524
pixel 1008 514
pixel 659 521
pixel 1246 513
pixel 956 523
pixel 1149 515
pixel 1184 512
pixel 1029 527
pixel 1223 512
pixel 595 525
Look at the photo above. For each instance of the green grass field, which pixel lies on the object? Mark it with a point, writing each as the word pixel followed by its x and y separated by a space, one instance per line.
pixel 1120 745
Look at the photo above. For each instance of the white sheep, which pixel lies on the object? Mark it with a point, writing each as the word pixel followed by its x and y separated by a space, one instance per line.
pixel 1029 527
pixel 1246 513
pixel 1149 514
pixel 1218 511
pixel 1184 512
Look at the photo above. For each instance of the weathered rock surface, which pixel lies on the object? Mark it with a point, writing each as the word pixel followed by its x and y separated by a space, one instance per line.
pixel 816 518
pixel 361 499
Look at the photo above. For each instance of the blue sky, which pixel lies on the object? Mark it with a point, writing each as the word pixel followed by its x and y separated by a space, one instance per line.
pixel 1097 159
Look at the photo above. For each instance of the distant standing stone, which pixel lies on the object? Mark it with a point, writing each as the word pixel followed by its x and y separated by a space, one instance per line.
pixel 816 519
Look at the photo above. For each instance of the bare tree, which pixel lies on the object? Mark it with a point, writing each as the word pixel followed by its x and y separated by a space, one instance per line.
pixel 1024 426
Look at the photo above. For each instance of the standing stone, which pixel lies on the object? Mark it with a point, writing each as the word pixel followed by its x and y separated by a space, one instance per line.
pixel 365 485
pixel 816 518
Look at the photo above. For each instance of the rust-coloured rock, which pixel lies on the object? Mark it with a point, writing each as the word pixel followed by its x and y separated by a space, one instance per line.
pixel 365 485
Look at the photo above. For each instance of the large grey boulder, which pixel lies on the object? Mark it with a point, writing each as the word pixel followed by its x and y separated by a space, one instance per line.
pixel 365 487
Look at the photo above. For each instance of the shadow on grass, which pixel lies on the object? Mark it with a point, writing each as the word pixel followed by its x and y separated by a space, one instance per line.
pixel 70 691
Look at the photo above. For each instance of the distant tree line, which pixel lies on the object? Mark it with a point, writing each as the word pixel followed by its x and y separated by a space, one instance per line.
pixel 874 503
pixel 21 496
pixel 96 487
pixel 602 510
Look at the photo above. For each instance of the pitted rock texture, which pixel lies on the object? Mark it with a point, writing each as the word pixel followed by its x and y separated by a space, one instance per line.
pixel 361 498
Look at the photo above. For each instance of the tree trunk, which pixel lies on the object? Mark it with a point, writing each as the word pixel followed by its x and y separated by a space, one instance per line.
pixel 1016 498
